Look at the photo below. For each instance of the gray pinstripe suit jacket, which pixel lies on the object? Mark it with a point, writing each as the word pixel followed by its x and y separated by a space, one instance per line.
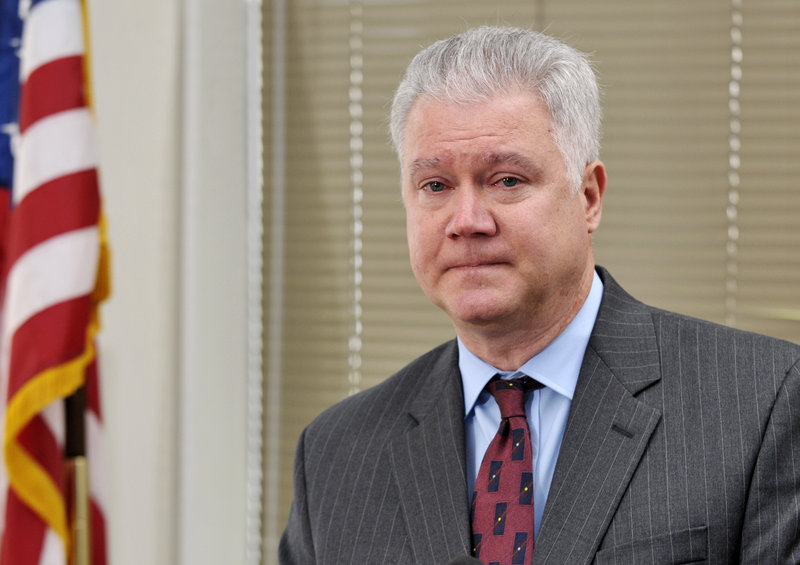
pixel 682 446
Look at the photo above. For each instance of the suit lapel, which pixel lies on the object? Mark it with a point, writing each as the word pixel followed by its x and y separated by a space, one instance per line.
pixel 607 430
pixel 429 462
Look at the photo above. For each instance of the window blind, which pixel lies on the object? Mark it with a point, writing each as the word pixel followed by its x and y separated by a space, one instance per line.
pixel 700 141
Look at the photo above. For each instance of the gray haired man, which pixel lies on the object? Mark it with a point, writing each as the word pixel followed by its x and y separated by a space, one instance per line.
pixel 648 437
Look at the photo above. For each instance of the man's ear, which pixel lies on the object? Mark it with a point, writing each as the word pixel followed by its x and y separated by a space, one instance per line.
pixel 593 187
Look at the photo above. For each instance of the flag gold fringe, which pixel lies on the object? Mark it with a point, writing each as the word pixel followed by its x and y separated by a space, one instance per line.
pixel 26 477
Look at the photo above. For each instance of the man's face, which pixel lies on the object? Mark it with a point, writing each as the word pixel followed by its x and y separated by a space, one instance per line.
pixel 497 236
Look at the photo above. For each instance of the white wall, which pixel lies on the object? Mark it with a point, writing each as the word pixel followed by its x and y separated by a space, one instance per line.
pixel 168 83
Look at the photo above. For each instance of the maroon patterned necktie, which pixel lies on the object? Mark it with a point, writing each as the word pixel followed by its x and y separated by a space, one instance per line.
pixel 502 505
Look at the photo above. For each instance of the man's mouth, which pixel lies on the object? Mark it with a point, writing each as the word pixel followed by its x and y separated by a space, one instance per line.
pixel 476 265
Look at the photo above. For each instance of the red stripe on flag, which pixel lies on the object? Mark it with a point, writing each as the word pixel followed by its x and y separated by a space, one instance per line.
pixel 37 439
pixel 24 533
pixel 97 522
pixel 5 215
pixel 63 204
pixel 54 87
pixel 93 390
pixel 47 339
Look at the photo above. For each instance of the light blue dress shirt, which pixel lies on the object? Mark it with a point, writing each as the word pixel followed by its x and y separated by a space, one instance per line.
pixel 556 367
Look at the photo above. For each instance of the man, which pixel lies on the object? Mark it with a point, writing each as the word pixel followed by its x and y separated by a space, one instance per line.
pixel 655 438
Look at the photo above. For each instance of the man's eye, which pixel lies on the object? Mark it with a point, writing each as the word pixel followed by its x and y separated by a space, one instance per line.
pixel 436 186
pixel 509 182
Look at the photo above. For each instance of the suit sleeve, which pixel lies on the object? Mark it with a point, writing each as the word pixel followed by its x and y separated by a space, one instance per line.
pixel 771 529
pixel 296 545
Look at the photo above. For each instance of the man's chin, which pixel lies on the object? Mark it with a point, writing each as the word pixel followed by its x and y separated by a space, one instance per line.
pixel 480 311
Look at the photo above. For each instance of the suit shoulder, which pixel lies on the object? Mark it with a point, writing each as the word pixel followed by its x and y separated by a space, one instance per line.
pixel 726 341
pixel 674 319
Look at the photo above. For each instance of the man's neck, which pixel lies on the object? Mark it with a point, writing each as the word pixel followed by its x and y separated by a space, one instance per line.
pixel 508 346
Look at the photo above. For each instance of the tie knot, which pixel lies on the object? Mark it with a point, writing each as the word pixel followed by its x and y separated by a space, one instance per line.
pixel 510 395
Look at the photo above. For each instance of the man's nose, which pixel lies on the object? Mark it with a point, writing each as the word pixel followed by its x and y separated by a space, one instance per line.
pixel 471 215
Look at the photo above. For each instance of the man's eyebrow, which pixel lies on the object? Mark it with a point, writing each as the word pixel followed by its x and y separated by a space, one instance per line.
pixel 512 158
pixel 532 170
pixel 418 164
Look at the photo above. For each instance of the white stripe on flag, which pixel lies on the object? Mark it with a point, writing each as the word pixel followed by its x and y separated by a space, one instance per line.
pixel 61 268
pixel 53 29
pixel 54 146
pixel 53 550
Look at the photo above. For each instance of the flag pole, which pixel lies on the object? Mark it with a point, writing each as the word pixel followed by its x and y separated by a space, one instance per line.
pixel 77 477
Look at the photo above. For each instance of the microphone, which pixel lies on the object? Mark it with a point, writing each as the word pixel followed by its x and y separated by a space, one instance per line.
pixel 465 560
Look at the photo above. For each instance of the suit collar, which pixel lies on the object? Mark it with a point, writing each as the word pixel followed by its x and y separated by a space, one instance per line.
pixel 429 462
pixel 607 430
pixel 441 380
pixel 624 337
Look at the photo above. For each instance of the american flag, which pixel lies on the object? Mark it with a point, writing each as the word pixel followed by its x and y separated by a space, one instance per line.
pixel 53 275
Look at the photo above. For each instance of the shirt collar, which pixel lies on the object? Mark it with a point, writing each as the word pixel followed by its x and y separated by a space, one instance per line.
pixel 557 366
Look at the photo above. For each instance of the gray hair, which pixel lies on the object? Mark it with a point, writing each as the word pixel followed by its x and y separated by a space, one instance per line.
pixel 484 62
